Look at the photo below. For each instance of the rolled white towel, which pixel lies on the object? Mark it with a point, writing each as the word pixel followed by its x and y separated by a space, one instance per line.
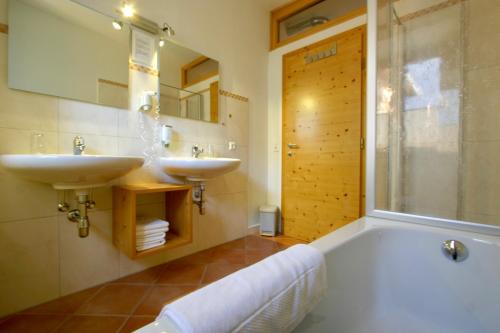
pixel 151 231
pixel 145 240
pixel 150 245
pixel 273 295
pixel 150 223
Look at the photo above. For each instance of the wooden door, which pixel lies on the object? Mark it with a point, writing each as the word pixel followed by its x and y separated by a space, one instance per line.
pixel 323 101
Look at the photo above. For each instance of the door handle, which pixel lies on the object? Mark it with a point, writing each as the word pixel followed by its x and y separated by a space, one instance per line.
pixel 293 146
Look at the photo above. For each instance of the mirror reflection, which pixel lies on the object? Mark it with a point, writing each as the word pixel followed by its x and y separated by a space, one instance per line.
pixel 63 49
pixel 189 84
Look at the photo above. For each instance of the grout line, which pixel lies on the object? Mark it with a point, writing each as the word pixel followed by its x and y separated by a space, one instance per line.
pixel 58 119
pixel 203 274
pixel 139 303
pixel 59 260
pixel 90 298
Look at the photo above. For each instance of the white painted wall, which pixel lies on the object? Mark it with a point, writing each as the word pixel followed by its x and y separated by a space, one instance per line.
pixel 274 84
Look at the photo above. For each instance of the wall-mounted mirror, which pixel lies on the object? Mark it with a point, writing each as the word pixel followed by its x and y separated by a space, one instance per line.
pixel 60 48
pixel 189 84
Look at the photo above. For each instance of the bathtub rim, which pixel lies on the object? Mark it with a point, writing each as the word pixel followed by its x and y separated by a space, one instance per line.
pixel 367 224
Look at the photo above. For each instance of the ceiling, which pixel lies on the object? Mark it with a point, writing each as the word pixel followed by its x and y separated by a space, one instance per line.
pixel 272 4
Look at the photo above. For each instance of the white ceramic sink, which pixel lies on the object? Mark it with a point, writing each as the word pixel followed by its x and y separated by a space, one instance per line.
pixel 67 172
pixel 198 169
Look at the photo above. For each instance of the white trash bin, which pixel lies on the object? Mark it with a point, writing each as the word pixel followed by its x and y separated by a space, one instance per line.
pixel 269 220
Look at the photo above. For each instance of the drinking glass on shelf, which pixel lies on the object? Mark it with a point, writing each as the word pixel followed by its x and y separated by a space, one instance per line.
pixel 38 143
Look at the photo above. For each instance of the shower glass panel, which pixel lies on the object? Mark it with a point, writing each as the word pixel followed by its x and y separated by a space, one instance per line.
pixel 438 123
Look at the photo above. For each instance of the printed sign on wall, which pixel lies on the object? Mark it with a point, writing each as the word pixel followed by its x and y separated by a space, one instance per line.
pixel 143 49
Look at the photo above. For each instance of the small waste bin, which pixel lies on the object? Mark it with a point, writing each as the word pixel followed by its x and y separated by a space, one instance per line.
pixel 269 220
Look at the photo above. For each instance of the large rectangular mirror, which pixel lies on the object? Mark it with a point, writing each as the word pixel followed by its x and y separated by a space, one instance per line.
pixel 60 48
pixel 189 84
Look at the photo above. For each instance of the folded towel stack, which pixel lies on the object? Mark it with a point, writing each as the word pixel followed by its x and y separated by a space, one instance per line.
pixel 150 232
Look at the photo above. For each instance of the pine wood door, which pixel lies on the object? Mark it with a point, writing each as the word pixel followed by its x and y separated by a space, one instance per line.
pixel 323 101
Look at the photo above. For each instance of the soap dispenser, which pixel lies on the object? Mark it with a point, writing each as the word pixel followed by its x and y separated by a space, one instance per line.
pixel 166 135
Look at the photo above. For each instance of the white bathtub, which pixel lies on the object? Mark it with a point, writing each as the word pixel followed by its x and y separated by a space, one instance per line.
pixel 391 277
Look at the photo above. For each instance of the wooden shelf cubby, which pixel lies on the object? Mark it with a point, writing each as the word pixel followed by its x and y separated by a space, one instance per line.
pixel 178 210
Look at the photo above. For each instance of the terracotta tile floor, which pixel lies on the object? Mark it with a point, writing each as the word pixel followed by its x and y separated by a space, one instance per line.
pixel 131 302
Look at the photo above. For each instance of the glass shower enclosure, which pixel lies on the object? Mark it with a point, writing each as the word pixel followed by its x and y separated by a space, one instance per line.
pixel 438 114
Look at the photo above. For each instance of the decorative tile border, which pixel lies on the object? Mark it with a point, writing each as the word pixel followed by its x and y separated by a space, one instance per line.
pixel 143 69
pixel 4 28
pixel 231 95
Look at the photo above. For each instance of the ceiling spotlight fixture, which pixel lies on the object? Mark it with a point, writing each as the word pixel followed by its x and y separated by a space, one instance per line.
pixel 161 43
pixel 127 9
pixel 117 25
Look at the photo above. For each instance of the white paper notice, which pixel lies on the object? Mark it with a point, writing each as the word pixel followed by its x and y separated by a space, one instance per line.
pixel 143 48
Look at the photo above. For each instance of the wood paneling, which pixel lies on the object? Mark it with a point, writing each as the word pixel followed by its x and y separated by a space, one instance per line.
pixel 323 105
pixel 186 68
pixel 178 212
pixel 4 28
pixel 214 102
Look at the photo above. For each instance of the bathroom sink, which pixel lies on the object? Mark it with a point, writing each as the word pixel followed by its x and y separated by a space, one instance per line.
pixel 198 169
pixel 65 172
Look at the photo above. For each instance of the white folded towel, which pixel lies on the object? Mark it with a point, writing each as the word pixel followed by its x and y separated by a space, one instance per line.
pixel 151 231
pixel 273 295
pixel 144 224
pixel 150 245
pixel 150 235
pixel 145 240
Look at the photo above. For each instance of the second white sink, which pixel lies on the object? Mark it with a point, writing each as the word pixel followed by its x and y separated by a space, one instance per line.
pixel 198 169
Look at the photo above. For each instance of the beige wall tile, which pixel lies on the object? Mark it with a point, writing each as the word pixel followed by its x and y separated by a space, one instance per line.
pixel 481 181
pixel 95 144
pixel 482 218
pixel 85 118
pixel 225 218
pixel 233 182
pixel 29 261
pixel 130 146
pixel 17 141
pixel 87 262
pixel 482 28
pixel 482 98
pixel 211 133
pixel 237 121
pixel 183 130
pixel 22 199
pixel 128 123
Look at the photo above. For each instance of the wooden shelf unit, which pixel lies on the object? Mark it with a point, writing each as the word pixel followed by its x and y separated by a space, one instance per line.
pixel 178 210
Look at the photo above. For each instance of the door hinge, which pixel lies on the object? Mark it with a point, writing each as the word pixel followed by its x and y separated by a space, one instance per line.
pixel 362 143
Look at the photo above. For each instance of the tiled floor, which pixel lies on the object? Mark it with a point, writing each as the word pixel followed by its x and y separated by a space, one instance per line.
pixel 134 301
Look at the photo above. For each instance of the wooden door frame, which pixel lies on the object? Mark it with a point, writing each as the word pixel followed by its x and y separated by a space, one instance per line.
pixel 362 175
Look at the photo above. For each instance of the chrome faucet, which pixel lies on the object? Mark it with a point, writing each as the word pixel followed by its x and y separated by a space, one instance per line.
pixel 196 151
pixel 78 145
